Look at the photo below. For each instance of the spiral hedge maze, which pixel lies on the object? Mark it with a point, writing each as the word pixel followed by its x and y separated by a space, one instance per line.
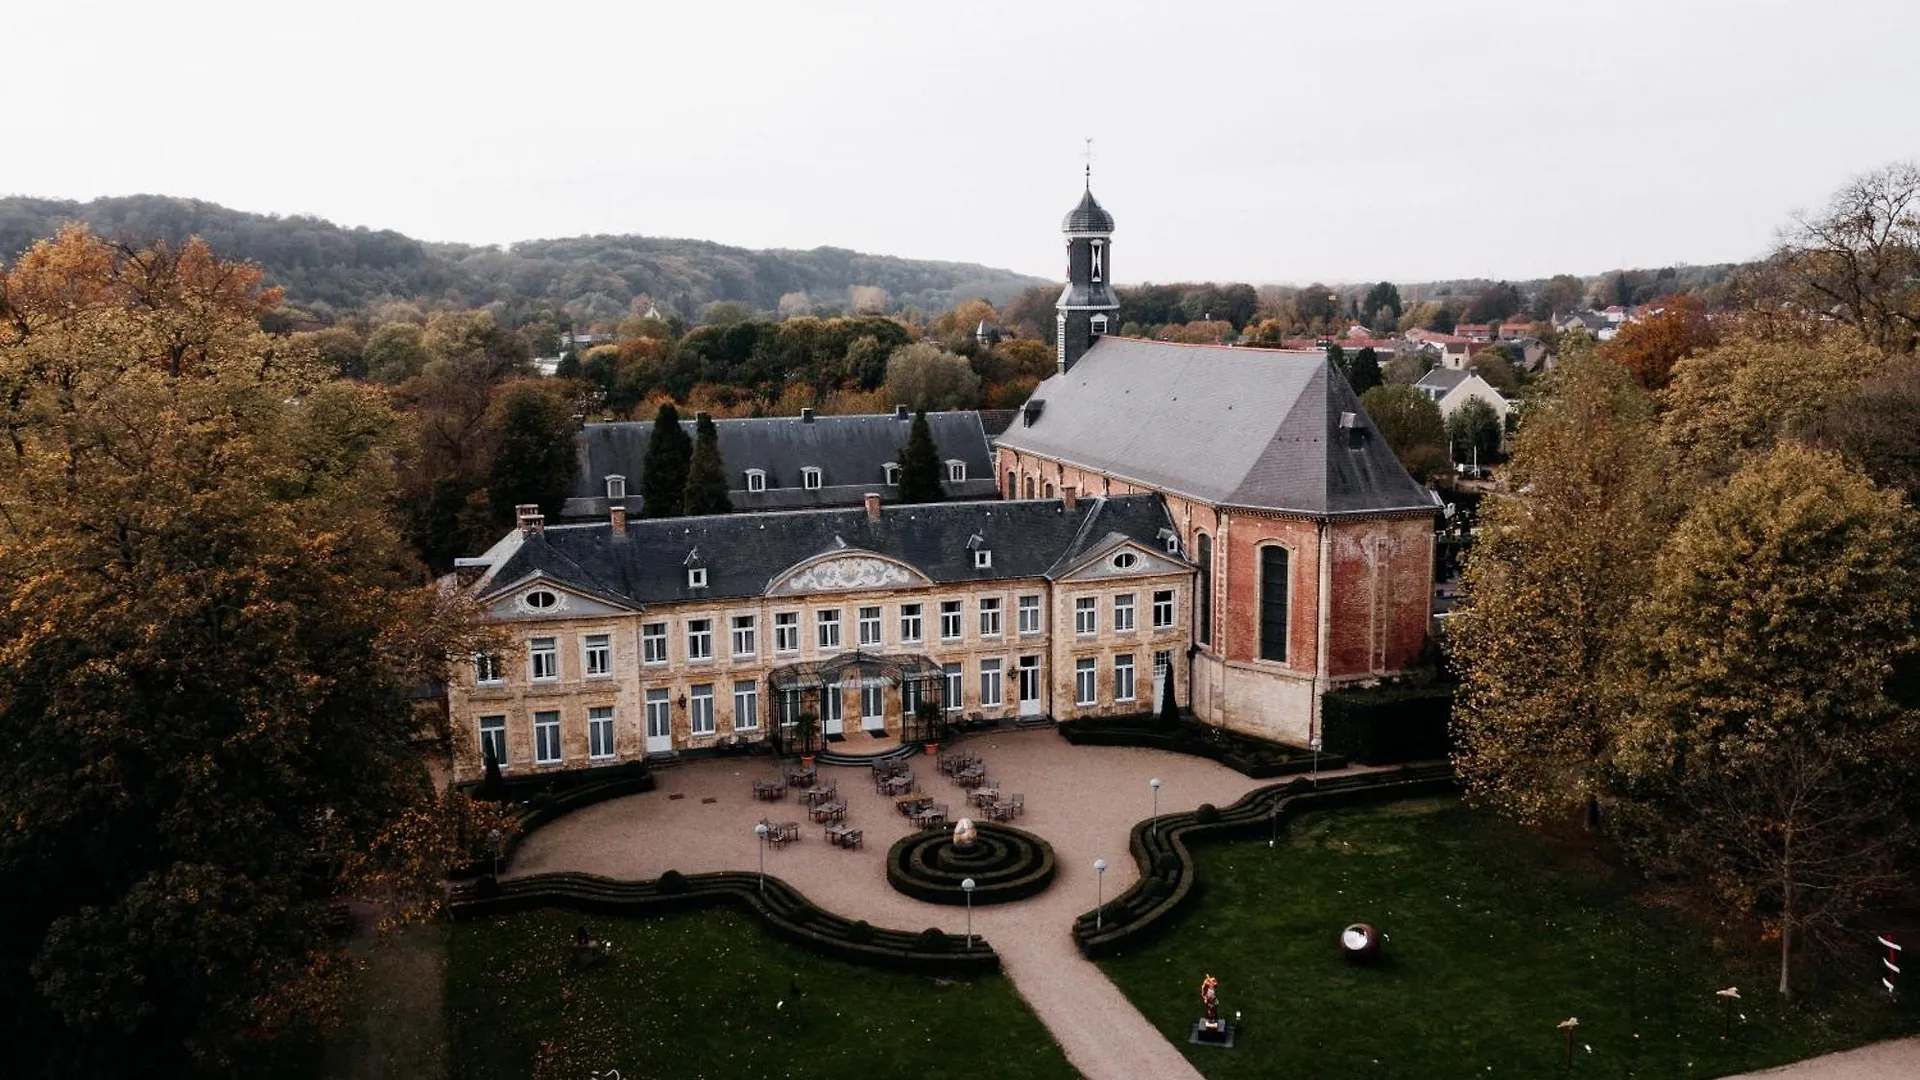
pixel 1167 881
pixel 1005 863
pixel 784 909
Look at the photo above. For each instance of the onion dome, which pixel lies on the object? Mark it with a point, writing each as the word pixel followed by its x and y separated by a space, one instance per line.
pixel 1088 217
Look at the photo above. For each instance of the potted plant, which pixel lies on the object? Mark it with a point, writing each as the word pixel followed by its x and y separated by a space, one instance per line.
pixel 928 714
pixel 808 726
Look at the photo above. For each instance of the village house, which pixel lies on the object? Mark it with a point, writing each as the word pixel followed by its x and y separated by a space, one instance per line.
pixel 1451 389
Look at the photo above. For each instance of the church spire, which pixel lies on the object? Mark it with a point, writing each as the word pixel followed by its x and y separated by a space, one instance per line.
pixel 1087 307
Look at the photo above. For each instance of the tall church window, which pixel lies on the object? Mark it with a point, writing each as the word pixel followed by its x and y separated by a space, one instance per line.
pixel 1273 603
pixel 1205 551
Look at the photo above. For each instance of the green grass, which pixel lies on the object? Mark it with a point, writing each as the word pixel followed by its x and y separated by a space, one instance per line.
pixel 712 994
pixel 1493 938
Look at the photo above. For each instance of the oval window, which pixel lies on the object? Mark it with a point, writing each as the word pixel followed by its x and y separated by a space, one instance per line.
pixel 1126 560
pixel 541 599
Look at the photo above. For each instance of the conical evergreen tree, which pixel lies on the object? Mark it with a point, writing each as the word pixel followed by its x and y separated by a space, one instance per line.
pixel 920 468
pixel 706 472
pixel 663 487
pixel 1363 371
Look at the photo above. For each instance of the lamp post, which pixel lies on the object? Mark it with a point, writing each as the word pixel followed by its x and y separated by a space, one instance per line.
pixel 1315 744
pixel 760 831
pixel 493 842
pixel 966 886
pixel 1099 891
pixel 1155 785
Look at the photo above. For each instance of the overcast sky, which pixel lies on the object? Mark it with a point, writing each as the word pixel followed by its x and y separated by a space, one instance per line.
pixel 1257 141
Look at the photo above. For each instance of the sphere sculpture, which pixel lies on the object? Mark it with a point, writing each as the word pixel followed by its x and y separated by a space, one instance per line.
pixel 1003 862
pixel 1360 943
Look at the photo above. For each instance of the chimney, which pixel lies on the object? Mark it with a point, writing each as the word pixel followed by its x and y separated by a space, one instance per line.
pixel 701 415
pixel 529 518
pixel 806 416
pixel 1069 495
pixel 619 520
pixel 873 506
pixel 900 413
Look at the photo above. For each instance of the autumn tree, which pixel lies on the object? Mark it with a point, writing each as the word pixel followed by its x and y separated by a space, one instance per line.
pixel 921 469
pixel 1473 432
pixel 706 473
pixel 924 376
pixel 663 485
pixel 1549 593
pixel 534 458
pixel 1410 422
pixel 1562 293
pixel 1649 347
pixel 1495 364
pixel 1858 260
pixel 1494 304
pixel 1877 425
pixel 211 633
pixel 1762 737
pixel 1381 308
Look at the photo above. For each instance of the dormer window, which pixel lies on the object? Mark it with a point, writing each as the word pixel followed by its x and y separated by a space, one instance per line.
pixel 756 479
pixel 616 487
pixel 956 471
pixel 696 577
pixel 892 471
pixel 810 478
pixel 983 558
pixel 1099 324
pixel 1171 539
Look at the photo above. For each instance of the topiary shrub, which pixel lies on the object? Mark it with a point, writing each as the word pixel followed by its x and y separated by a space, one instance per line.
pixel 860 932
pixel 932 939
pixel 1207 814
pixel 673 883
pixel 1166 863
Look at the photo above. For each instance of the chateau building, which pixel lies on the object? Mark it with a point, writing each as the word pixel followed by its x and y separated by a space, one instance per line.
pixel 1314 547
pixel 1225 520
pixel 789 462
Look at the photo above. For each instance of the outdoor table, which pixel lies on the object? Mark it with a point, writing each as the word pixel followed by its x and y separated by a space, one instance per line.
pixel 842 836
pixel 913 805
pixel 820 793
pixel 769 789
pixel 984 795
pixel 897 785
pixel 928 816
pixel 999 811
pixel 798 777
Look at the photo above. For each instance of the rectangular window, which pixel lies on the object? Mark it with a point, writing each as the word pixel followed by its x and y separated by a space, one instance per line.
pixel 909 623
pixel 786 631
pixel 544 657
pixel 546 738
pixel 600 733
pixel 700 709
pixel 1123 677
pixel 1123 613
pixel 990 684
pixel 1162 663
pixel 746 638
pixel 699 639
pixel 990 616
pixel 1162 608
pixel 653 643
pixel 949 620
pixel 746 705
pixel 1273 603
pixel 828 626
pixel 870 625
pixel 598 651
pixel 1086 615
pixel 486 669
pixel 1085 683
pixel 956 688
pixel 493 737
pixel 1030 614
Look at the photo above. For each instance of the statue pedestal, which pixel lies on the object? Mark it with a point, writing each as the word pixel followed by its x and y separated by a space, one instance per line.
pixel 1211 1033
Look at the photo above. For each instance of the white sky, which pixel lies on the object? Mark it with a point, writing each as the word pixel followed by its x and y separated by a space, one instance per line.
pixel 1255 141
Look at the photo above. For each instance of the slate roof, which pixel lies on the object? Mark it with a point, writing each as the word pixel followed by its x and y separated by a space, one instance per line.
pixel 743 553
pixel 851 451
pixel 1087 217
pixel 1442 379
pixel 1232 426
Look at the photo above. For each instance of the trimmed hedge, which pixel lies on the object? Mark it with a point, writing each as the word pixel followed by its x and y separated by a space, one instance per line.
pixel 544 799
pixel 1390 724
pixel 1167 879
pixel 1029 867
pixel 1260 759
pixel 788 913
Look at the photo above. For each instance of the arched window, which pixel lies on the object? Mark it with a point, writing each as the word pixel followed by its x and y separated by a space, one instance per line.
pixel 616 486
pixel 1013 486
pixel 1029 487
pixel 1273 603
pixel 1204 552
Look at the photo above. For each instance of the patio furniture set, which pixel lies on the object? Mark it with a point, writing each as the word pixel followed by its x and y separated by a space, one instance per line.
pixel 969 772
pixel 822 799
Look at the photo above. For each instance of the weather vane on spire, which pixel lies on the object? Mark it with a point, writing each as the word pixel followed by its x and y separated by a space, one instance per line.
pixel 1088 154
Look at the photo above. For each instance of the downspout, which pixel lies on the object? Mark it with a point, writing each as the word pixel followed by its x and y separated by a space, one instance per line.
pixel 1322 664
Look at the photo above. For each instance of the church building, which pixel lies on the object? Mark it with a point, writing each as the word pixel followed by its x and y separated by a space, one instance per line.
pixel 1313 545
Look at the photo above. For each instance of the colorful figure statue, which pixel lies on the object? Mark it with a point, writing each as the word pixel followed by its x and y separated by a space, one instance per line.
pixel 1210 998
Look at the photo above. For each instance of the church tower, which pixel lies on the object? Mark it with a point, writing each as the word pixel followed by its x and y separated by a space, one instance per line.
pixel 1087 307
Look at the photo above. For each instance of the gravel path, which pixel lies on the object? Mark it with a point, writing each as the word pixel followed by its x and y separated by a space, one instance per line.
pixel 1083 800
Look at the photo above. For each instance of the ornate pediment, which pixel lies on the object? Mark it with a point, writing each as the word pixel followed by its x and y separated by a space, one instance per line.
pixel 846 573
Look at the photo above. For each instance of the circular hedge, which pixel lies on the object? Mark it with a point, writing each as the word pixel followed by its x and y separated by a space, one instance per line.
pixel 1005 864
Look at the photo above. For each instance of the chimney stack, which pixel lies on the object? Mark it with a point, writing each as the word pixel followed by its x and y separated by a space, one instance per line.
pixel 531 522
pixel 702 415
pixel 1069 495
pixel 619 520
pixel 806 416
pixel 900 413
pixel 873 506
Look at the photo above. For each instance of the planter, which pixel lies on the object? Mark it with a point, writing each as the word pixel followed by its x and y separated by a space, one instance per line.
pixel 932 749
pixel 806 761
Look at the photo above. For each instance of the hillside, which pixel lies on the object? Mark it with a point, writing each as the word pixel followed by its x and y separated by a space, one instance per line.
pixel 331 269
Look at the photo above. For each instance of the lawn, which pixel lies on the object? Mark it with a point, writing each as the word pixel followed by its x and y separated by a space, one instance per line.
pixel 1493 938
pixel 712 994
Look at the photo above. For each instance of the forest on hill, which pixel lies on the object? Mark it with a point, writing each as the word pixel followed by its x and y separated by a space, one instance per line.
pixel 328 270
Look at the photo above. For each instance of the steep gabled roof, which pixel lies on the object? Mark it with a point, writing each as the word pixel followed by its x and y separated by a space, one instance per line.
pixel 1233 426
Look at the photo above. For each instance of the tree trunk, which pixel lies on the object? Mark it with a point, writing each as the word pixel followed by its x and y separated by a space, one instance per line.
pixel 1786 915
